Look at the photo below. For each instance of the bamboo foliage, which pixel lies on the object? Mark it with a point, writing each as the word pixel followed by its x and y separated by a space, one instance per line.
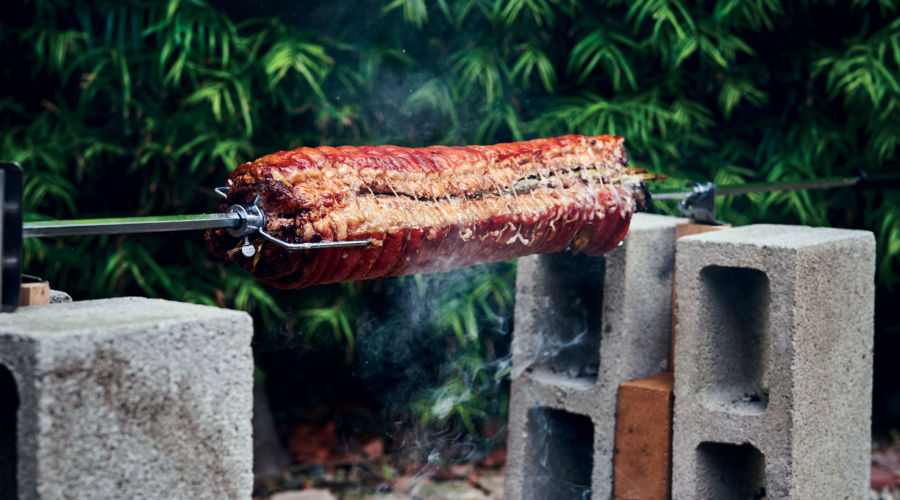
pixel 134 107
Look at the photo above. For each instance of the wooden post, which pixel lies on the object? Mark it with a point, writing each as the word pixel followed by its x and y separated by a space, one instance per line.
pixel 34 294
pixel 643 453
pixel 642 461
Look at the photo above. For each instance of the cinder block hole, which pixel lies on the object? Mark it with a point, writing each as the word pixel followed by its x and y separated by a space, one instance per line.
pixel 570 342
pixel 559 455
pixel 735 350
pixel 9 406
pixel 730 471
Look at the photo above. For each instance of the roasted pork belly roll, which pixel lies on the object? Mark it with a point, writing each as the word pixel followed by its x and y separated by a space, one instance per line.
pixel 431 209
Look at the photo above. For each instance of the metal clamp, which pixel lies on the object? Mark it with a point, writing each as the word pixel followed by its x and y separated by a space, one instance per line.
pixel 253 221
pixel 313 246
pixel 700 205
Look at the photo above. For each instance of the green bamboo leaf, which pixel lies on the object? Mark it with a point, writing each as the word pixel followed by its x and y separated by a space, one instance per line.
pixel 533 60
pixel 414 11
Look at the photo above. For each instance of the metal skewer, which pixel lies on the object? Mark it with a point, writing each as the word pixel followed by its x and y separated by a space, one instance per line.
pixel 244 221
pixel 154 224
pixel 765 187
pixel 698 201
pixel 240 220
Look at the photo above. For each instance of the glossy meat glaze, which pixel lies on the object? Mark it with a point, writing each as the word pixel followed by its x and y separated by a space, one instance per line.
pixel 431 209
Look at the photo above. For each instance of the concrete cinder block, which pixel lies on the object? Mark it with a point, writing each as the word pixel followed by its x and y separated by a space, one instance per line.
pixel 774 363
pixel 57 296
pixel 582 326
pixel 129 398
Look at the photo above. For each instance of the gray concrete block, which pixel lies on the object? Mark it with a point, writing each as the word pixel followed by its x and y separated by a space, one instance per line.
pixel 773 352
pixel 582 326
pixel 57 297
pixel 130 398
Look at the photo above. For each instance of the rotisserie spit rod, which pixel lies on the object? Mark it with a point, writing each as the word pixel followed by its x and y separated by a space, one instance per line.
pixel 698 199
pixel 239 220
pixel 153 224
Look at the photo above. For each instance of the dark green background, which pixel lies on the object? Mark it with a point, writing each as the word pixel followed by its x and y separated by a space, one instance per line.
pixel 133 108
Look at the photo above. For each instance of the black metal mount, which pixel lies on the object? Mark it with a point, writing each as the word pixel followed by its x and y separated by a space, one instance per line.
pixel 10 235
pixel 700 205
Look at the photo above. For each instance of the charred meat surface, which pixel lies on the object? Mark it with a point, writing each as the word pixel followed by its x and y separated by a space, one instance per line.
pixel 431 209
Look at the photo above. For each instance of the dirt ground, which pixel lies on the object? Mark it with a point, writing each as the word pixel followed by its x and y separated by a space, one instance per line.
pixel 487 485
pixel 886 467
pixel 373 475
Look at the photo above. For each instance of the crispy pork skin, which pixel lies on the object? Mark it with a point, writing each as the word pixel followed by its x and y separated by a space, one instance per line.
pixel 431 209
